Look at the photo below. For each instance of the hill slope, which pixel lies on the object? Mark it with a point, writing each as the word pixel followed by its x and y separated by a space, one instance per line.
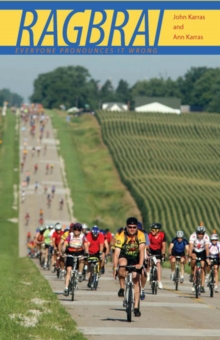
pixel 170 164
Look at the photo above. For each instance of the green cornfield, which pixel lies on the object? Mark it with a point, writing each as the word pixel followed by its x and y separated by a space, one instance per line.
pixel 170 164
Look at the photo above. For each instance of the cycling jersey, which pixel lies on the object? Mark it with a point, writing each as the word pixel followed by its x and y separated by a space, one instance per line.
pixel 214 249
pixel 57 237
pixel 179 247
pixel 76 243
pixel 95 242
pixel 129 245
pixel 108 237
pixel 199 245
pixel 47 239
pixel 157 240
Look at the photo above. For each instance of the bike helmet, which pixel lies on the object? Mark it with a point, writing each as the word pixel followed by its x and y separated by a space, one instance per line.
pixel 180 234
pixel 156 226
pixel 214 237
pixel 132 221
pixel 139 226
pixel 71 225
pixel 200 230
pixel 58 226
pixel 95 231
pixel 84 226
pixel 42 229
pixel 51 226
pixel 77 226
pixel 66 229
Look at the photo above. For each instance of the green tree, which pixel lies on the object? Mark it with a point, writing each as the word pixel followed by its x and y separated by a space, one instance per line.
pixel 10 97
pixel 107 93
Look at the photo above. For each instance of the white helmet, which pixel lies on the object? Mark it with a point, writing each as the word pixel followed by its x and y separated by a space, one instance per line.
pixel 58 226
pixel 84 226
pixel 180 234
pixel 214 237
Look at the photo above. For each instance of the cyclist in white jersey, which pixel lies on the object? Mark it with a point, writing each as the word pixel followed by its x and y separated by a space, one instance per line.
pixel 214 252
pixel 198 247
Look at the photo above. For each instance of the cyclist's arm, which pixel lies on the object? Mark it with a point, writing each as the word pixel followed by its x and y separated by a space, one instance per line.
pixel 190 248
pixel 53 241
pixel 107 247
pixel 86 247
pixel 101 247
pixel 116 257
pixel 170 248
pixel 163 247
pixel 207 249
pixel 187 249
pixel 141 254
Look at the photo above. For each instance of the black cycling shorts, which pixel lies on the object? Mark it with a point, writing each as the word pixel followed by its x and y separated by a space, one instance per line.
pixel 201 254
pixel 131 261
pixel 69 260
pixel 175 253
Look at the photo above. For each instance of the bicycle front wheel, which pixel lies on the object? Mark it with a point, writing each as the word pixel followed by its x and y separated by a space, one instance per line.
pixel 129 304
pixel 176 278
pixel 73 286
pixel 211 284
pixel 197 286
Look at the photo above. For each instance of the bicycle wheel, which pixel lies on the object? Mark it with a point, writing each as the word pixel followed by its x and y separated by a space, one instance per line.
pixel 176 276
pixel 58 272
pixel 197 285
pixel 129 304
pixel 211 284
pixel 49 262
pixel 155 278
pixel 73 286
pixel 92 277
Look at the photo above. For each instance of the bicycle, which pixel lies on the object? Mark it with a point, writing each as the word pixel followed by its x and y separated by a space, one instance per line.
pixel 57 266
pixel 176 277
pixel 73 284
pixel 211 279
pixel 154 273
pixel 94 268
pixel 128 302
pixel 198 277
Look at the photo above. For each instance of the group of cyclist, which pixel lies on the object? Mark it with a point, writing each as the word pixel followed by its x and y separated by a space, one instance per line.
pixel 134 246
pixel 130 246
pixel 75 240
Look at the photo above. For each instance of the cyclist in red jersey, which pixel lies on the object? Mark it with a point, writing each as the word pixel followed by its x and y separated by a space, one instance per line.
pixel 56 239
pixel 95 245
pixel 157 239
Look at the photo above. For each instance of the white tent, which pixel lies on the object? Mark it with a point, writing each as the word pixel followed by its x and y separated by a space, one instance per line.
pixel 157 107
pixel 73 109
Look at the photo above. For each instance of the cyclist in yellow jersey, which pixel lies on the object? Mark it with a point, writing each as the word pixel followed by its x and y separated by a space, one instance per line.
pixel 130 250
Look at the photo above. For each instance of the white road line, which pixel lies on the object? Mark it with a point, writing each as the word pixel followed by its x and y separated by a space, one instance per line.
pixel 143 303
pixel 150 331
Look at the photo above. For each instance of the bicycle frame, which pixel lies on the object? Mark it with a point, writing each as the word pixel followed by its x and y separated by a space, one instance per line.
pixel 211 280
pixel 154 273
pixel 73 283
pixel 94 278
pixel 177 272
pixel 128 302
pixel 197 276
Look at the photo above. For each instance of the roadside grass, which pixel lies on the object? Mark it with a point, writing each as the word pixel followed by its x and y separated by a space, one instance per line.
pixel 99 196
pixel 29 309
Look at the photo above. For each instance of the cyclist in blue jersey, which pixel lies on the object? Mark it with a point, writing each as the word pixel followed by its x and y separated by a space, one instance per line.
pixel 179 246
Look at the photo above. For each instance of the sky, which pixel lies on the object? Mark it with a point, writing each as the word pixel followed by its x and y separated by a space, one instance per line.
pixel 18 72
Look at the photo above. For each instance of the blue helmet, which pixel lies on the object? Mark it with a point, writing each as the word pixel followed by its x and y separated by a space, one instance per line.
pixel 95 231
pixel 139 226
pixel 66 229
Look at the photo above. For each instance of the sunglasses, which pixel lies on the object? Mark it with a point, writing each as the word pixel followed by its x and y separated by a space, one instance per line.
pixel 77 228
pixel 153 229
pixel 132 227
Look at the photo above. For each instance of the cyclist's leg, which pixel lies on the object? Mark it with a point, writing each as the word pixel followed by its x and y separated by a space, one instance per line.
pixel 216 277
pixel 121 274
pixel 136 281
pixel 182 262
pixel 172 263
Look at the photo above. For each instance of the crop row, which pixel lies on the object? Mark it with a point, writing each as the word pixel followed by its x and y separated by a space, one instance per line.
pixel 170 164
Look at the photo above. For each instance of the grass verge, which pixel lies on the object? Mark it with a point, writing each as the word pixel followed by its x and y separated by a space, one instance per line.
pixel 98 194
pixel 29 309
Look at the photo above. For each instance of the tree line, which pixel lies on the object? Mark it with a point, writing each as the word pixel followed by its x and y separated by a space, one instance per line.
pixel 74 86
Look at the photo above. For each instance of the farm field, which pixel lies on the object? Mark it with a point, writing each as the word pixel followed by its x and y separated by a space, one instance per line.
pixel 170 164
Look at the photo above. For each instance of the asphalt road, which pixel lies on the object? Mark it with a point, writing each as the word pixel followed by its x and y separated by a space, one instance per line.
pixel 99 314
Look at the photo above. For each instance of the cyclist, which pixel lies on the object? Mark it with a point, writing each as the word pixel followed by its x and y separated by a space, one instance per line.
pixel 157 246
pixel 95 246
pixel 198 247
pixel 39 240
pixel 41 213
pixel 56 238
pixel 214 252
pixel 61 203
pixel 35 168
pixel 129 250
pixel 179 246
pixel 27 217
pixel 47 241
pixel 84 228
pixel 75 244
